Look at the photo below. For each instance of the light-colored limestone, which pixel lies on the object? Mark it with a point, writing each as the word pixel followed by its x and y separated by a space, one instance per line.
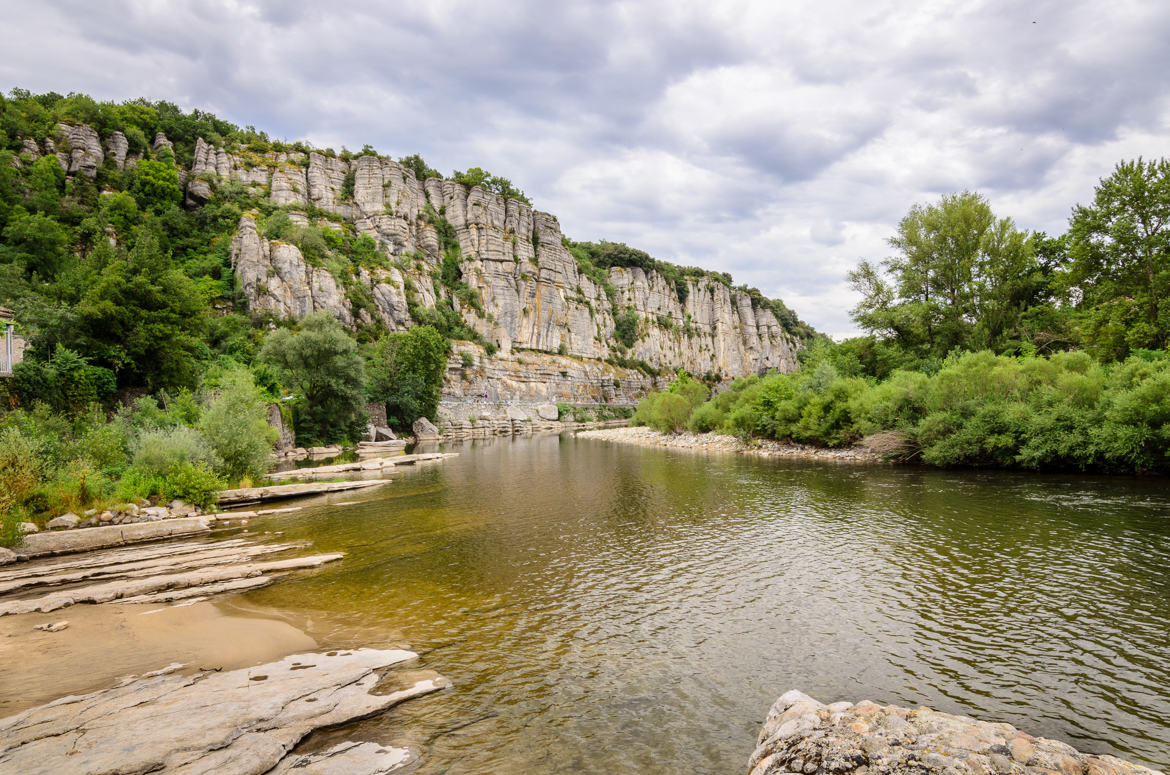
pixel 229 723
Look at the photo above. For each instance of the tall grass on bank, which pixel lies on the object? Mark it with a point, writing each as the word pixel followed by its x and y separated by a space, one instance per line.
pixel 1066 412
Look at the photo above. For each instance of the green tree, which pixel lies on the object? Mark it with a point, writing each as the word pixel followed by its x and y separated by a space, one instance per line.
pixel 46 181
pixel 144 318
pixel 1120 249
pixel 38 242
pixel 961 278
pixel 321 364
pixel 406 373
pixel 156 185
pixel 235 424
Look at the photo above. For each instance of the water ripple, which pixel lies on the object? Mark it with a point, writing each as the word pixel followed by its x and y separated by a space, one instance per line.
pixel 609 609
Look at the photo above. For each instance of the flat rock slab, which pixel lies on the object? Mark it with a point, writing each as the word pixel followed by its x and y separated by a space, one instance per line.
pixel 802 735
pixel 242 722
pixel 88 539
pixel 280 491
pixel 376 464
pixel 107 591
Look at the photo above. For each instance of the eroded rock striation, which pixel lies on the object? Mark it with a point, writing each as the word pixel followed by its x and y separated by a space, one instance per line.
pixel 802 735
pixel 229 723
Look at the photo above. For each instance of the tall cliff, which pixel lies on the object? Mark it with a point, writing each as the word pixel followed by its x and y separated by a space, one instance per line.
pixel 527 290
pixel 437 246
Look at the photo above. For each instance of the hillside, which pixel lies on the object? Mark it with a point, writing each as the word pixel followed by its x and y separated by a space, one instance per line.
pixel 272 231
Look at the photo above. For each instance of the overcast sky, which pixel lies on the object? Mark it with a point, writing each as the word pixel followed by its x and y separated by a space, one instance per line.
pixel 780 141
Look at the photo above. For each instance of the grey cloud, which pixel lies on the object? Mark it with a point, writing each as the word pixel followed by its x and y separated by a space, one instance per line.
pixel 633 122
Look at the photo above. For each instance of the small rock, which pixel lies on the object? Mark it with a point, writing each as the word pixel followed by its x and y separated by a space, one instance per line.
pixel 7 556
pixel 54 627
pixel 28 527
pixel 106 516
pixel 63 521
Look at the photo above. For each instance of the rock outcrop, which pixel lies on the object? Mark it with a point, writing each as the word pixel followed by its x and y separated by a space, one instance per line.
pixel 802 735
pixel 236 722
pixel 520 288
pixel 85 150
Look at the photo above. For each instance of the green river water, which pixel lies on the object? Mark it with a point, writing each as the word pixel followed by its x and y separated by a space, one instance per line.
pixel 612 609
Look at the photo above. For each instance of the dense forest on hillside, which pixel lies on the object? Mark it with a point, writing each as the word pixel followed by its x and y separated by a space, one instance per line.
pixel 987 346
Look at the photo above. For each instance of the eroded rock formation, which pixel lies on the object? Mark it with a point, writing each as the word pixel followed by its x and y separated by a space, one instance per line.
pixel 802 735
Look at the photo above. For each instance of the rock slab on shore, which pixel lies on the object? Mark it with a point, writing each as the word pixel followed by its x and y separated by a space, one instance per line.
pixel 802 735
pixel 228 723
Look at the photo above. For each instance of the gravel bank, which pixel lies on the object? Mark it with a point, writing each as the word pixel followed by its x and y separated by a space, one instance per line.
pixel 714 442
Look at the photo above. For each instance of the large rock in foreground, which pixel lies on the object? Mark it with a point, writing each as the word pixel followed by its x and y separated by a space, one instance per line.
pixel 802 735
pixel 231 723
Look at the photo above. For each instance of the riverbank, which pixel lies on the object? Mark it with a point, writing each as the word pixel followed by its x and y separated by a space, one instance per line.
pixel 802 735
pixel 715 442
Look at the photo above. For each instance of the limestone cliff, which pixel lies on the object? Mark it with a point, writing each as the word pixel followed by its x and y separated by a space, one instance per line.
pixel 532 293
pixel 519 288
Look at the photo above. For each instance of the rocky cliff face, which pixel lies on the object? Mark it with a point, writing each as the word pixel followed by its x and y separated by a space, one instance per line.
pixel 524 291
pixel 532 293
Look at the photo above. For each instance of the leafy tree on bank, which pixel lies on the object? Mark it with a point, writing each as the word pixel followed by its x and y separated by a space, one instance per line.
pixel 235 424
pixel 321 364
pixel 961 279
pixel 406 374
pixel 1120 250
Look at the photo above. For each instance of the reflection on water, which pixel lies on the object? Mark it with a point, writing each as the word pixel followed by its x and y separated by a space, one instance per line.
pixel 610 609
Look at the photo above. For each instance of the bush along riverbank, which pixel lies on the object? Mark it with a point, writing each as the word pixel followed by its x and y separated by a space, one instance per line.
pixel 1064 412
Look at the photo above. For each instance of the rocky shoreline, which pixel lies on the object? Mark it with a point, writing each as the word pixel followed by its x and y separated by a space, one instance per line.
pixel 802 735
pixel 714 442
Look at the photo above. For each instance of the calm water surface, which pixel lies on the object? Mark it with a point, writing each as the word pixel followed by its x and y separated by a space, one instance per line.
pixel 612 609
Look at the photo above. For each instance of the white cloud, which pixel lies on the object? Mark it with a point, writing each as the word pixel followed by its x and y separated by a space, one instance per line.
pixel 779 141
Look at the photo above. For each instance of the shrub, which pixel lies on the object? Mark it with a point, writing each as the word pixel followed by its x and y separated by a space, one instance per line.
pixel 196 484
pixel 706 418
pixel 236 427
pixel 665 412
pixel 158 453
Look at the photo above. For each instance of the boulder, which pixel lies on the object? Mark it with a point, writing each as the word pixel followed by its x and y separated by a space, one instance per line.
pixel 802 735
pixel 424 429
pixel 547 412
pixel 28 527
pixel 7 556
pixel 63 521
pixel 382 433
pixel 516 414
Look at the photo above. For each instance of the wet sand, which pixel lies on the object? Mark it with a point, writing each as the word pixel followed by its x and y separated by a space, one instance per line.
pixel 104 643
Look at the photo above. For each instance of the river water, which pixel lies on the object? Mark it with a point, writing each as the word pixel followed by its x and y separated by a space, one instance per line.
pixel 612 609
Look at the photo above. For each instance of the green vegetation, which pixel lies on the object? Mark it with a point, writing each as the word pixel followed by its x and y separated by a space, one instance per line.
pixel 406 374
pixel 988 345
pixel 322 366
pixel 180 445
pixel 980 409
pixel 489 182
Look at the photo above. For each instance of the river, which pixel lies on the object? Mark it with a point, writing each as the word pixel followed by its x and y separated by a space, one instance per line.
pixel 613 609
